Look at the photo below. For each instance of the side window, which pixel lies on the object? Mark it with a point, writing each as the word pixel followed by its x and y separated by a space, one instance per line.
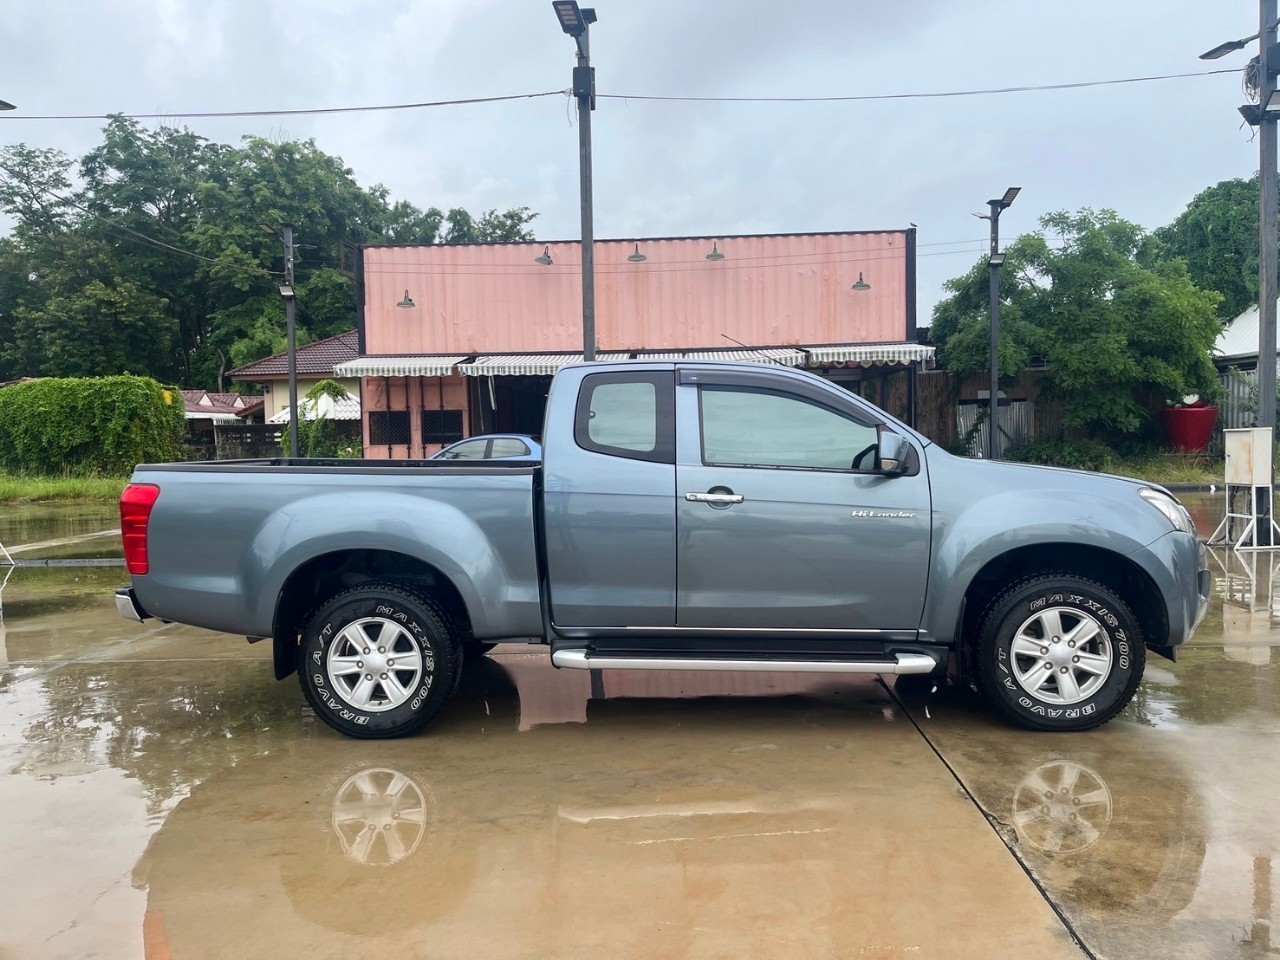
pixel 628 415
pixel 508 447
pixel 750 427
pixel 471 450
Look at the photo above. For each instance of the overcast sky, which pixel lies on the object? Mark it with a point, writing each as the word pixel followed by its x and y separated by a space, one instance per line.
pixel 672 169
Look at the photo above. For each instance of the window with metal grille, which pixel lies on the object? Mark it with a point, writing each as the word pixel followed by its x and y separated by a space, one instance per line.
pixel 388 428
pixel 441 426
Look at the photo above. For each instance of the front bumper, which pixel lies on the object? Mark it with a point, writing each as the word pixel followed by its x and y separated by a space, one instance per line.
pixel 127 606
pixel 1178 565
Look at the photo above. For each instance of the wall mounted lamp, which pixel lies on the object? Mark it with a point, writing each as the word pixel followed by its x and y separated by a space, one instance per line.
pixel 861 284
pixel 545 259
pixel 637 257
pixel 715 253
pixel 407 303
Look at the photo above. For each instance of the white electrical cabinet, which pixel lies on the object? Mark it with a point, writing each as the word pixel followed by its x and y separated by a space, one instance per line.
pixel 1248 457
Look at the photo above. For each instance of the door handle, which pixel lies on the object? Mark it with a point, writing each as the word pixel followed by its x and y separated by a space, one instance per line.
pixel 724 498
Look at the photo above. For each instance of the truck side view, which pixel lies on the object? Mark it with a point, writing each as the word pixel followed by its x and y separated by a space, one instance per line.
pixel 690 516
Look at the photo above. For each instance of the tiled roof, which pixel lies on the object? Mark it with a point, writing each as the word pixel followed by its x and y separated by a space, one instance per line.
pixel 315 358
pixel 201 404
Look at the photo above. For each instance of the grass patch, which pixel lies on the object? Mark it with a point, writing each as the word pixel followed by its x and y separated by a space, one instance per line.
pixel 1168 468
pixel 17 489
pixel 1156 466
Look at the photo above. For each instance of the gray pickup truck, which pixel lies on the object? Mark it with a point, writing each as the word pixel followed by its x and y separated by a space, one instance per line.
pixel 685 516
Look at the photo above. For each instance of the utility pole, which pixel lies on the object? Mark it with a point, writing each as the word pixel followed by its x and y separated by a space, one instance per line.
pixel 576 22
pixel 1263 115
pixel 287 292
pixel 995 262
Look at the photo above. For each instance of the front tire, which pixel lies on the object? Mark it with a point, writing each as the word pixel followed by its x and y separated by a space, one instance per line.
pixel 378 661
pixel 1059 652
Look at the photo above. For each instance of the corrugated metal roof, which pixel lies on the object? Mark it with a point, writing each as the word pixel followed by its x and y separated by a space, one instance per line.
pixel 1239 338
pixel 348 408
pixel 320 357
pixel 398 367
pixel 781 290
pixel 869 354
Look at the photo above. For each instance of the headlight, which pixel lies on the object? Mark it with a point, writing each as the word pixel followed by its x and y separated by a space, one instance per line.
pixel 1173 511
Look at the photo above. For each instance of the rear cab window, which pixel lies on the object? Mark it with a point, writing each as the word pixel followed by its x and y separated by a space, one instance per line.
pixel 630 415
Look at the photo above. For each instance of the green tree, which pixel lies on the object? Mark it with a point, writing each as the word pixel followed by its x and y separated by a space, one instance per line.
pixel 1121 335
pixel 170 242
pixel 1217 236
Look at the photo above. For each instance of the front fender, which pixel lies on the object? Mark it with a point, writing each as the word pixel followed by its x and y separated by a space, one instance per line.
pixel 969 537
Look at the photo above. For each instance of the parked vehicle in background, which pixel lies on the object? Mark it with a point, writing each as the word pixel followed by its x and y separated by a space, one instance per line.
pixel 692 516
pixel 493 446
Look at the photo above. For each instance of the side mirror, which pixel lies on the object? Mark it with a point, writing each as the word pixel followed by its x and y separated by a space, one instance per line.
pixel 893 453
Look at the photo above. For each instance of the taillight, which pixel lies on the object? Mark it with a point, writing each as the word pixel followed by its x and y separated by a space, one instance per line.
pixel 135 510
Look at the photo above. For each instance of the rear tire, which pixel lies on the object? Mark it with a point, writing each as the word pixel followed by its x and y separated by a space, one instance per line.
pixel 1059 652
pixel 378 661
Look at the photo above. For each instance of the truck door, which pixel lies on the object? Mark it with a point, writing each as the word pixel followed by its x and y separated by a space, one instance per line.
pixel 782 523
pixel 609 502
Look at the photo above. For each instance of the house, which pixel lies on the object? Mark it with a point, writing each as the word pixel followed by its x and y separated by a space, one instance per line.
pixel 216 408
pixel 456 340
pixel 315 362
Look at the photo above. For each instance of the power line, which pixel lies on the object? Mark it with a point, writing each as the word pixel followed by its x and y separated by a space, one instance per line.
pixel 214 114
pixel 922 96
pixel 374 108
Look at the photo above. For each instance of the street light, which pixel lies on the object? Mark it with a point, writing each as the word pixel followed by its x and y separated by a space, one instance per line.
pixel 1264 115
pixel 575 21
pixel 995 262
pixel 6 105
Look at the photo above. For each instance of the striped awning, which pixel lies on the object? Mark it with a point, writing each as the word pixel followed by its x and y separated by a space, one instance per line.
pixel 548 364
pixel 398 367
pixel 870 354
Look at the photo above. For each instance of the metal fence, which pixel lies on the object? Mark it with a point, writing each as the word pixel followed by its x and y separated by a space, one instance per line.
pixel 1017 423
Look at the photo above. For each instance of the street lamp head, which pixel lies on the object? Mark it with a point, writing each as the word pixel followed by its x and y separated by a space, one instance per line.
pixel 286 291
pixel 1222 49
pixel 997 260
pixel 6 105
pixel 1007 200
pixel 573 20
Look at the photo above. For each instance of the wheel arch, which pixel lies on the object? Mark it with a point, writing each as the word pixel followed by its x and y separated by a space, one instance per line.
pixel 320 578
pixel 1113 570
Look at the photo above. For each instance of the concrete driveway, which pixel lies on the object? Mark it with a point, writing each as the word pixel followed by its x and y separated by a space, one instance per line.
pixel 163 796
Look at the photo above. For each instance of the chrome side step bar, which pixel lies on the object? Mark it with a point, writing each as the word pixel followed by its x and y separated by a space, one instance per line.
pixel 902 663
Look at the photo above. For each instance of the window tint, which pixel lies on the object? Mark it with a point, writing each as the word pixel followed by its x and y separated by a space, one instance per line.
pixel 628 415
pixel 471 450
pixel 508 447
pixel 743 426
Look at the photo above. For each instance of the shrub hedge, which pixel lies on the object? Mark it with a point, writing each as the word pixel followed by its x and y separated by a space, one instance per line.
pixel 85 427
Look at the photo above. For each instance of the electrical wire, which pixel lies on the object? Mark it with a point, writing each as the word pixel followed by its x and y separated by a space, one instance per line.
pixel 215 114
pixel 622 268
pixel 921 96
pixel 374 108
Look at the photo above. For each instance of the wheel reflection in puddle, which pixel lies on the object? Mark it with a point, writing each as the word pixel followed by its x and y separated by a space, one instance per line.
pixel 1061 807
pixel 380 817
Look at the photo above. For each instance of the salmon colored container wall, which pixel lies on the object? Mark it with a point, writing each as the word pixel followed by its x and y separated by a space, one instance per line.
pixel 767 291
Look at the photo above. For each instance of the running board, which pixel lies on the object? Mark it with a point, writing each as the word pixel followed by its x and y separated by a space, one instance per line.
pixel 901 664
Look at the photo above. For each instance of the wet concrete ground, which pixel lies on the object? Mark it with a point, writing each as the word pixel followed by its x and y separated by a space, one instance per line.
pixel 165 797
